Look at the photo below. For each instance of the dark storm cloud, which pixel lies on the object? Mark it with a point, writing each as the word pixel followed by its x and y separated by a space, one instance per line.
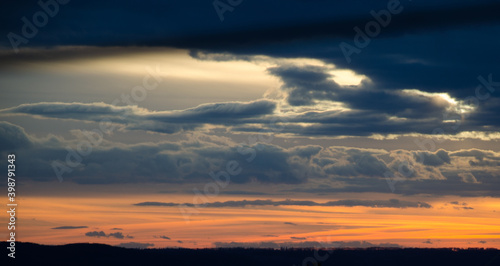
pixel 309 83
pixel 373 110
pixel 392 203
pixel 305 84
pixel 69 227
pixel 80 23
pixel 13 137
pixel 416 50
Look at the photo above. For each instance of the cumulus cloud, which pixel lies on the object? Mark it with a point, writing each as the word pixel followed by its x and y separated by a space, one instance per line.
pixel 117 235
pixel 340 169
pixel 438 158
pixel 392 203
pixel 96 234
pixel 478 158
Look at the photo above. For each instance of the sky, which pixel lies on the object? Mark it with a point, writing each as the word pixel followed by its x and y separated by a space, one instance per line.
pixel 203 124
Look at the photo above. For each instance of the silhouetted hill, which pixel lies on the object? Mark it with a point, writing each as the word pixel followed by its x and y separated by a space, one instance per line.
pixel 99 254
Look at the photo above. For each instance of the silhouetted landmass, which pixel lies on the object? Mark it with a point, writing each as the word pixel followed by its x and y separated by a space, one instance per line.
pixel 99 254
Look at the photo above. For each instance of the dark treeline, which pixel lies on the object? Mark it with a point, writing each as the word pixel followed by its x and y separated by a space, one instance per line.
pixel 99 254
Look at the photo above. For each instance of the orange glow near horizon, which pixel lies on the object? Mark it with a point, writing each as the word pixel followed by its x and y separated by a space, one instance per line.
pixel 443 225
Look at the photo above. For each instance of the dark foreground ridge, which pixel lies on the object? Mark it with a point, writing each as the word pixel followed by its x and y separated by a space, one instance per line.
pixel 99 254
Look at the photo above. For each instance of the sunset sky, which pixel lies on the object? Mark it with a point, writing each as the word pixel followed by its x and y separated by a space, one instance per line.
pixel 253 123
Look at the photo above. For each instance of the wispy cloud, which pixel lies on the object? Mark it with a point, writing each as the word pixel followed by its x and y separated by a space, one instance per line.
pixel 392 203
pixel 135 245
pixel 69 227
pixel 306 244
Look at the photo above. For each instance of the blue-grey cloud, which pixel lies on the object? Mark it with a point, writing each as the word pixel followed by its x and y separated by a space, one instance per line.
pixel 96 234
pixel 392 203
pixel 305 244
pixel 13 137
pixel 135 245
pixel 464 172
pixel 438 158
pixel 133 117
pixel 117 235
pixel 241 192
pixel 162 237
pixel 69 227
pixel 321 19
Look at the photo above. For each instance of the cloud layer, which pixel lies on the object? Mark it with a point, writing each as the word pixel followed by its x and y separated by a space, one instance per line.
pixel 305 244
pixel 470 172
pixel 392 203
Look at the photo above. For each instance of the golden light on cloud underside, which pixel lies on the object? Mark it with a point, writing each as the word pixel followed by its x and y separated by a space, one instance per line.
pixel 443 100
pixel 179 64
